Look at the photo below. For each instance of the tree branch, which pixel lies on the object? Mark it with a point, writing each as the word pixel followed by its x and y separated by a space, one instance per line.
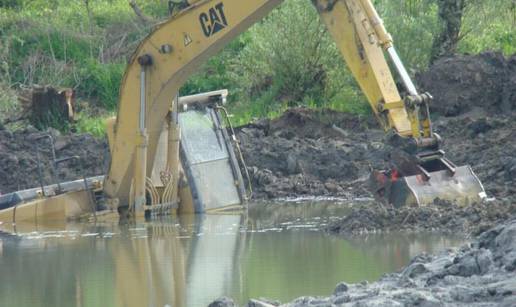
pixel 137 10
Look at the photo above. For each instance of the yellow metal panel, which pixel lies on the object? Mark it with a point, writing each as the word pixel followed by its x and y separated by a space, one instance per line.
pixel 69 206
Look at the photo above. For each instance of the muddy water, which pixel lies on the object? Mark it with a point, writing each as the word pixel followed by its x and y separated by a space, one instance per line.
pixel 276 252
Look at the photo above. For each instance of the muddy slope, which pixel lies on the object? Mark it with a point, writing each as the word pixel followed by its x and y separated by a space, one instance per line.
pixel 19 158
pixel 480 274
pixel 442 217
pixel 461 82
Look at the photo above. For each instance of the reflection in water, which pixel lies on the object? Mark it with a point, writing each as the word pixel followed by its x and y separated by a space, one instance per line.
pixel 191 260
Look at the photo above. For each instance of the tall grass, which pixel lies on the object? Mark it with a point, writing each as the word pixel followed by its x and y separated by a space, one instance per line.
pixel 285 60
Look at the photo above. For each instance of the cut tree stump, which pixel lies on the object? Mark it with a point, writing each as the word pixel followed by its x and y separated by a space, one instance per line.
pixel 46 106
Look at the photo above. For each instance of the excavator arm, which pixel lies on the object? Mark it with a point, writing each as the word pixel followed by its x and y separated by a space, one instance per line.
pixel 176 48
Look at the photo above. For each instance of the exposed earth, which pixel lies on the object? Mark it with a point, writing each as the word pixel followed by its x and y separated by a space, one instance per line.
pixel 19 158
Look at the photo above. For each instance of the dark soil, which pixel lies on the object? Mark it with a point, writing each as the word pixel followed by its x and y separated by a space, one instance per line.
pixel 462 82
pixel 19 159
pixel 301 154
pixel 324 162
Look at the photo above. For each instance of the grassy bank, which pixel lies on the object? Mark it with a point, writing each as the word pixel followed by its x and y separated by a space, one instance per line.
pixel 85 45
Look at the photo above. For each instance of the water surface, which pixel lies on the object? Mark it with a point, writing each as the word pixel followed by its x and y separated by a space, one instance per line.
pixel 277 251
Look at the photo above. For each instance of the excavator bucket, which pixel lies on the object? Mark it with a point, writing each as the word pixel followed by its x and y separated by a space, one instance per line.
pixel 435 180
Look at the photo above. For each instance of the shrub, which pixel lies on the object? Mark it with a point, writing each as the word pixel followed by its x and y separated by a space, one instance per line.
pixel 101 82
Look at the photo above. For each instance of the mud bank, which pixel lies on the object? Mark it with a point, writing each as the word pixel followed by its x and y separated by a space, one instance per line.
pixel 461 82
pixel 442 217
pixel 19 158
pixel 479 274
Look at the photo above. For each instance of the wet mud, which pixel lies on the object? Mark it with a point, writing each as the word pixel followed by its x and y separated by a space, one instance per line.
pixel 441 217
pixel 24 153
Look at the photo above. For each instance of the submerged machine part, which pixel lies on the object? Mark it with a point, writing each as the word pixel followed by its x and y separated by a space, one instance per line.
pixel 209 162
pixel 205 177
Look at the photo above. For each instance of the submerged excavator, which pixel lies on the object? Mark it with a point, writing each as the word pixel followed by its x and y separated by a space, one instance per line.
pixel 172 154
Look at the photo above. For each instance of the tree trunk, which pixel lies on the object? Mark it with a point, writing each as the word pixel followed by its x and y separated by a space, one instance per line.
pixel 45 106
pixel 138 11
pixel 450 15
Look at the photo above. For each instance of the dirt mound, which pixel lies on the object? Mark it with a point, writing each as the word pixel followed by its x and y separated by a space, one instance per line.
pixel 288 160
pixel 19 163
pixel 461 82
pixel 301 153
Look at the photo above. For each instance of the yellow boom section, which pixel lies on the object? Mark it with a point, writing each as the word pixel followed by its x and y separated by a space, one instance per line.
pixel 175 49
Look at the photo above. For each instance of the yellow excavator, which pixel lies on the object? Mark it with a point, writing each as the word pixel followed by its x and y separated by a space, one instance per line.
pixel 174 154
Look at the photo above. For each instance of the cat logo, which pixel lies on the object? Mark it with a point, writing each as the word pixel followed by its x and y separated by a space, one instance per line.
pixel 213 21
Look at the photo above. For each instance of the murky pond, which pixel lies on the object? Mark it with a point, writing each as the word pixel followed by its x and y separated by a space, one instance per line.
pixel 276 252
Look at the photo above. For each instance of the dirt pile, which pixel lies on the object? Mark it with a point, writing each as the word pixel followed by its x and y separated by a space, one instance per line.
pixel 301 153
pixel 459 83
pixel 19 162
pixel 288 160
pixel 481 273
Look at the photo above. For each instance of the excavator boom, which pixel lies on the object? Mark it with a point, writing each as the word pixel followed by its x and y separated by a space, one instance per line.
pixel 152 169
pixel 176 48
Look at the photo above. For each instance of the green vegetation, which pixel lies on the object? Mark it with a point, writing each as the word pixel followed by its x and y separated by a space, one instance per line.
pixel 286 60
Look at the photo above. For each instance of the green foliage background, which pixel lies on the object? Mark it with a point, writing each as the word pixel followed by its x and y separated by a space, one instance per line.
pixel 285 60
